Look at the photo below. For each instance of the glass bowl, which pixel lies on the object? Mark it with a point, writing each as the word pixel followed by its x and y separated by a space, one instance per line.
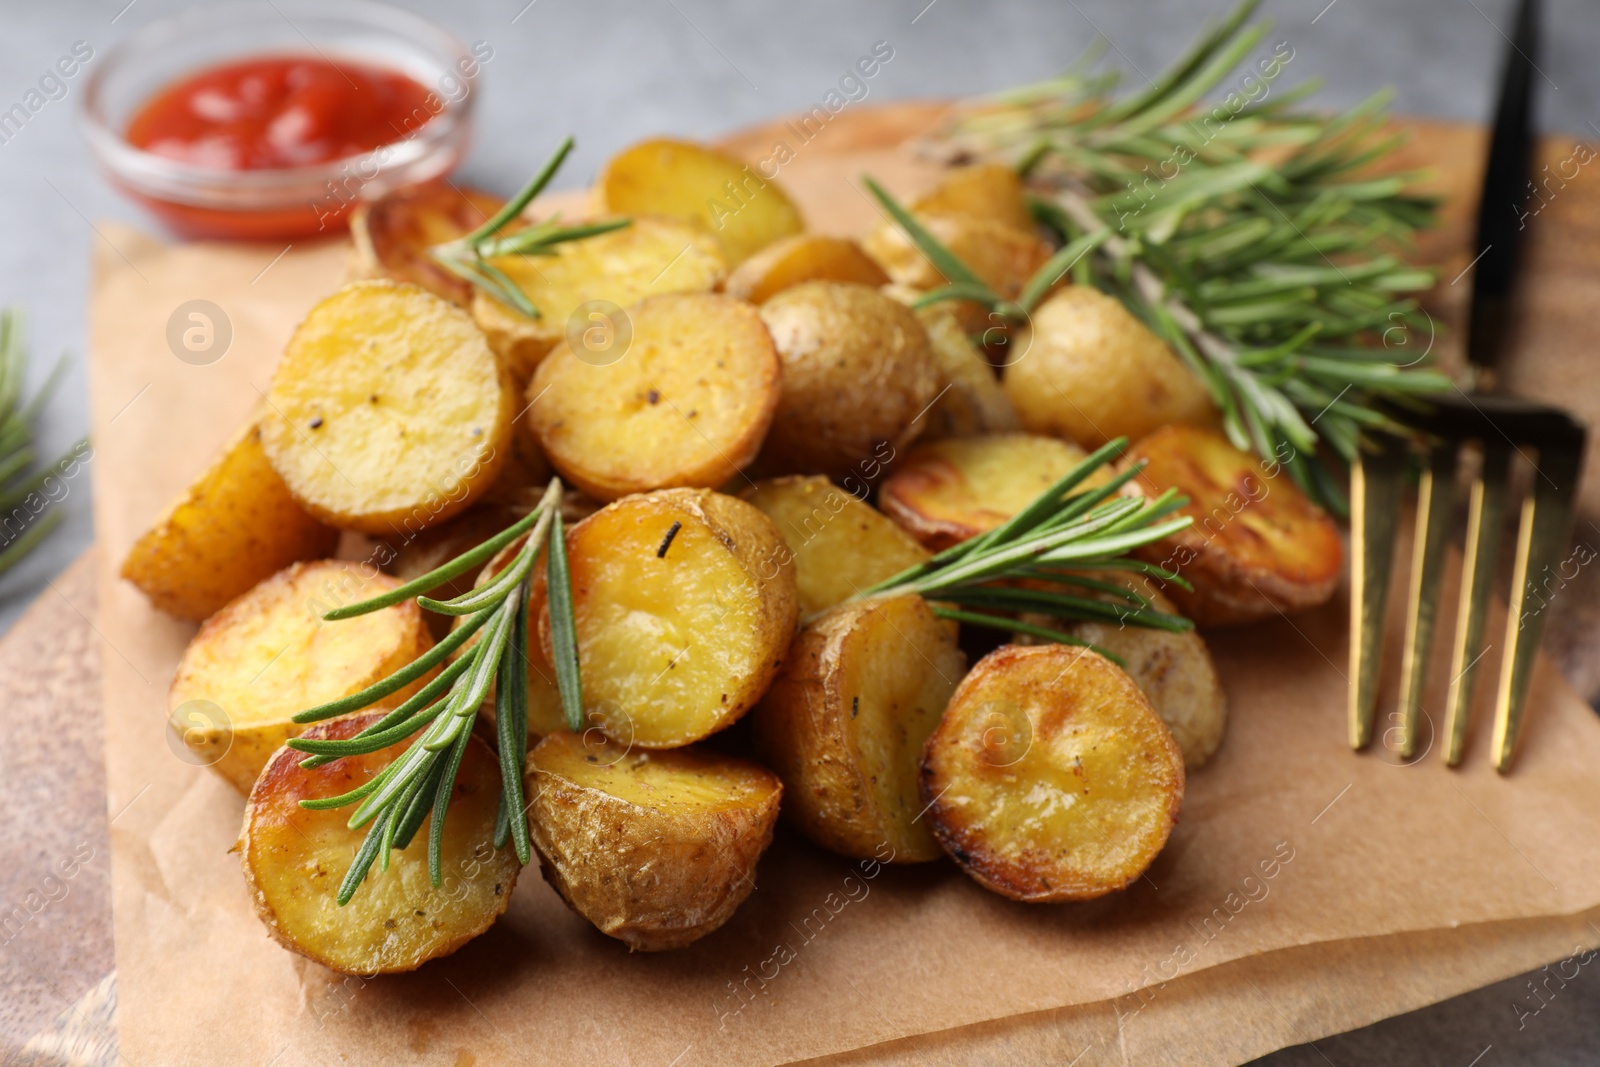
pixel 292 201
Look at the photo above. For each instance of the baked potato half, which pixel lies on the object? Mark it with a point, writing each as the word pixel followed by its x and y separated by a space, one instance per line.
pixel 971 399
pixel 295 858
pixel 804 257
pixel 1085 369
pixel 685 604
pixel 268 655
pixel 388 412
pixel 1258 546
pixel 839 544
pixel 689 181
pixel 1050 777
pixel 236 525
pixel 858 376
pixel 1003 256
pixel 845 721
pixel 393 234
pixel 991 191
pixel 656 849
pixel 687 404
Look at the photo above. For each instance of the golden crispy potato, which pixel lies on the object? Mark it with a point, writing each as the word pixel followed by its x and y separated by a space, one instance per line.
pixel 234 526
pixel 393 234
pixel 685 603
pixel 701 185
pixel 804 257
pixel 857 372
pixel 687 404
pixel 657 849
pixel 981 190
pixel 1002 255
pixel 294 860
pixel 1087 370
pixel 845 721
pixel 946 491
pixel 1258 546
pixel 647 258
pixel 388 411
pixel 971 400
pixel 839 544
pixel 268 656
pixel 1050 777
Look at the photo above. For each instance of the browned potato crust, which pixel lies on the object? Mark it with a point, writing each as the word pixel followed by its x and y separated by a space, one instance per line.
pixel 657 849
pixel 1050 777
pixel 688 181
pixel 685 604
pixel 388 411
pixel 839 544
pixel 294 860
pixel 1002 255
pixel 267 656
pixel 236 525
pixel 804 257
pixel 981 190
pixel 394 233
pixel 946 491
pixel 688 403
pixel 1087 370
pixel 1258 546
pixel 858 372
pixel 845 721
pixel 971 400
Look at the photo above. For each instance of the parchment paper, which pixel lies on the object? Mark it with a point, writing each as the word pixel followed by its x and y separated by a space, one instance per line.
pixel 1289 844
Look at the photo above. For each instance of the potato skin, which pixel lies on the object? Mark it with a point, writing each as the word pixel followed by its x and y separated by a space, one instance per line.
pixel 688 404
pixel 804 257
pixel 657 849
pixel 294 860
pixel 388 411
pixel 1258 546
pixel 267 656
pixel 393 234
pixel 236 525
pixel 975 402
pixel 1087 370
pixel 845 720
pixel 1027 729
pixel 1002 255
pixel 857 372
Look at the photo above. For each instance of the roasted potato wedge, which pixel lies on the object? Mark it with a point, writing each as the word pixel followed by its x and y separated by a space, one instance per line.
pixel 946 491
pixel 651 256
pixel 804 257
pixel 1002 255
pixel 657 849
pixel 1050 777
pixel 688 403
pixel 858 370
pixel 701 185
pixel 981 190
pixel 393 234
pixel 1258 546
pixel 839 544
pixel 971 400
pixel 845 721
pixel 1087 370
pixel 388 411
pixel 235 526
pixel 294 860
pixel 685 604
pixel 267 656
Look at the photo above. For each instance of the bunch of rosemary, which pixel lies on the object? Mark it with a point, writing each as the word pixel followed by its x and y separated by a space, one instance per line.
pixel 1262 242
pixel 18 479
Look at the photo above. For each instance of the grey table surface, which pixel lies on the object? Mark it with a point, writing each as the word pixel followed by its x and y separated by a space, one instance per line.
pixel 612 72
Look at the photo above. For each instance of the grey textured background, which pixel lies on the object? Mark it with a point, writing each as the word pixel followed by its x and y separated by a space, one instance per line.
pixel 611 72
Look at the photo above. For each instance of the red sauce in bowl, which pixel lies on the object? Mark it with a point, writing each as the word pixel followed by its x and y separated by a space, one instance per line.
pixel 273 112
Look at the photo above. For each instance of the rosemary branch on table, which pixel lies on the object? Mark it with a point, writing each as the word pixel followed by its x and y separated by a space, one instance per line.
pixel 18 478
pixel 1262 242
pixel 469 257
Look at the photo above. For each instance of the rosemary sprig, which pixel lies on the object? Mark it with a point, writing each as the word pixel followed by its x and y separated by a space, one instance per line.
pixel 1257 240
pixel 469 257
pixel 18 478
pixel 417 784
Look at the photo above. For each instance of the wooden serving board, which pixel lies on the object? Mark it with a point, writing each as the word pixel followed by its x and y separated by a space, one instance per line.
pixel 51 779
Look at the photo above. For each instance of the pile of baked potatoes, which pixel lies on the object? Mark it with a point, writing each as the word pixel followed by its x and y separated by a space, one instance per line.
pixel 754 425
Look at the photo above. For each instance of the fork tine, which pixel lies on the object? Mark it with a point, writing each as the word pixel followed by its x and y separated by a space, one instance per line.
pixel 1434 496
pixel 1376 479
pixel 1546 520
pixel 1486 510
